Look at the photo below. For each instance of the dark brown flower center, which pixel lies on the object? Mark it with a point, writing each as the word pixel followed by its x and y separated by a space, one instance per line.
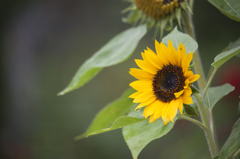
pixel 157 8
pixel 167 81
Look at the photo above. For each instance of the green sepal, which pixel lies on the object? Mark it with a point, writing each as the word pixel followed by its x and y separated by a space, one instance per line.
pixel 190 111
pixel 194 89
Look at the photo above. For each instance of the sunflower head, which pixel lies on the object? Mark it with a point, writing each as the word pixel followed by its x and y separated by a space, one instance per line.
pixel 163 81
pixel 156 13
pixel 157 8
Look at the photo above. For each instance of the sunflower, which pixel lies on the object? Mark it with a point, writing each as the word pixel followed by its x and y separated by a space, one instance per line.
pixel 164 81
pixel 157 8
pixel 162 15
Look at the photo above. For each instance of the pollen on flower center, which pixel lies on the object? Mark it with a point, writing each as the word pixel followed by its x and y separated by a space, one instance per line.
pixel 167 81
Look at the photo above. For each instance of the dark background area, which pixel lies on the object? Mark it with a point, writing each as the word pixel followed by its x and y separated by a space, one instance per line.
pixel 43 43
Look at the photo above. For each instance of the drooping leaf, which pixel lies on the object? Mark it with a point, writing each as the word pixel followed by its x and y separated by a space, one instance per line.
pixel 230 8
pixel 214 94
pixel 115 51
pixel 111 116
pixel 138 135
pixel 220 59
pixel 232 144
pixel 178 37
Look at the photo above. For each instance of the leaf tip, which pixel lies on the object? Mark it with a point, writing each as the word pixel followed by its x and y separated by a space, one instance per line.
pixel 80 137
pixel 63 92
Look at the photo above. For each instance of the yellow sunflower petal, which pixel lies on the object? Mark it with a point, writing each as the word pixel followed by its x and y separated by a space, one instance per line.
pixel 173 56
pixel 173 108
pixel 181 52
pixel 145 66
pixel 178 94
pixel 144 96
pixel 190 76
pixel 142 85
pixel 134 95
pixel 162 52
pixel 140 74
pixel 165 121
pixel 187 91
pixel 193 78
pixel 187 100
pixel 150 109
pixel 186 97
pixel 152 58
pixel 186 83
pixel 186 62
pixel 180 107
pixel 159 110
pixel 165 115
pixel 146 102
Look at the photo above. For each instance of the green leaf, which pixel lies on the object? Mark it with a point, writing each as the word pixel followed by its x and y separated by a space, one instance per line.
pixel 220 59
pixel 112 116
pixel 234 44
pixel 178 37
pixel 230 8
pixel 138 135
pixel 118 123
pixel 115 51
pixel 232 144
pixel 214 94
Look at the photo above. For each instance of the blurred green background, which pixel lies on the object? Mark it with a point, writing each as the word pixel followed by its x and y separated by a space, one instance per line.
pixel 43 43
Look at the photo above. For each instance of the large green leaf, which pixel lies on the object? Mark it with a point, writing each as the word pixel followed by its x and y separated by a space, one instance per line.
pixel 220 59
pixel 178 37
pixel 115 51
pixel 138 135
pixel 232 144
pixel 230 8
pixel 112 116
pixel 214 94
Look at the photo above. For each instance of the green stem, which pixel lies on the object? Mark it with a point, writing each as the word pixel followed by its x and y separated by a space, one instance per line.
pixel 192 120
pixel 237 153
pixel 205 113
pixel 208 131
pixel 189 29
